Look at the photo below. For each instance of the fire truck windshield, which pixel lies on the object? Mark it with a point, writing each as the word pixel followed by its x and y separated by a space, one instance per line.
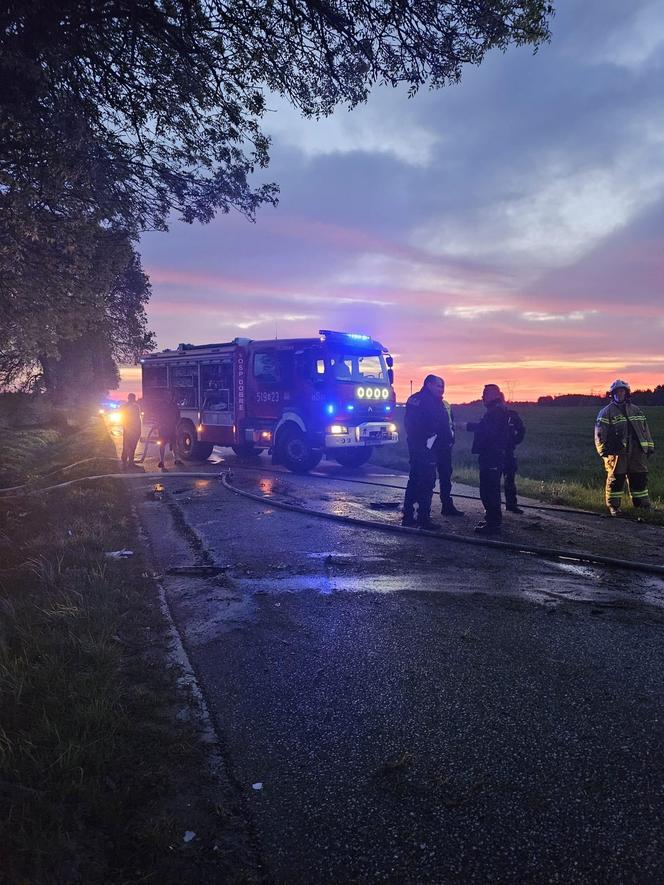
pixel 352 366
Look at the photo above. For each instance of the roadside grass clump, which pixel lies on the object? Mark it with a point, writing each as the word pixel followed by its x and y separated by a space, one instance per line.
pixel 99 776
pixel 557 460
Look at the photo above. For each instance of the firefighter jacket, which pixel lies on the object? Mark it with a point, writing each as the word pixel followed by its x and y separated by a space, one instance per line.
pixel 615 424
pixel 426 417
pixel 516 428
pixel 492 435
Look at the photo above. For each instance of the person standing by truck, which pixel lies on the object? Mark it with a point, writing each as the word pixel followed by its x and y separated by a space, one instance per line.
pixel 623 440
pixel 427 426
pixel 490 444
pixel 167 416
pixel 131 429
pixel 517 432
pixel 444 465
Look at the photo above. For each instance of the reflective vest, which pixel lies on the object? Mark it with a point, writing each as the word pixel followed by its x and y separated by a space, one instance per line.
pixel 616 424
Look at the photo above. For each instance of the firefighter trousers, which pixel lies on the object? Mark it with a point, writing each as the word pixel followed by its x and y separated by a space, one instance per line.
pixel 421 480
pixel 633 468
pixel 490 494
pixel 444 464
pixel 509 480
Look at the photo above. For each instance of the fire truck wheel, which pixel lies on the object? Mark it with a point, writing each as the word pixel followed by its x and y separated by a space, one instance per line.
pixel 353 457
pixel 188 446
pixel 295 451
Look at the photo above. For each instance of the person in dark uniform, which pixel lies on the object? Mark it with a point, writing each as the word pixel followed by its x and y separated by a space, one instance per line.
pixel 490 443
pixel 131 429
pixel 168 415
pixel 444 465
pixel 515 438
pixel 427 425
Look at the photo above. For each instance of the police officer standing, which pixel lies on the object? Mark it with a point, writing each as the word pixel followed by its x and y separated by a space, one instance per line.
pixel 490 443
pixel 427 426
pixel 444 465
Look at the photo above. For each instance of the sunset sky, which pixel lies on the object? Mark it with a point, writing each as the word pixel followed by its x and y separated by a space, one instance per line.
pixel 508 230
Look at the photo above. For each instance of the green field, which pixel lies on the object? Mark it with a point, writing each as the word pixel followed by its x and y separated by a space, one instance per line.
pixel 557 459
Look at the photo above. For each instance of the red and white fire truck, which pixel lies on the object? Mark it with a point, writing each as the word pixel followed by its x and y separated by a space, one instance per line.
pixel 299 398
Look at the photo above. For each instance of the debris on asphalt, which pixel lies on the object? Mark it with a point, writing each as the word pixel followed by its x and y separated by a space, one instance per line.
pixel 118 554
pixel 257 786
pixel 188 836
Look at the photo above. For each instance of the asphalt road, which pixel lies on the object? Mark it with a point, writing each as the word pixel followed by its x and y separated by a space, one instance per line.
pixel 419 711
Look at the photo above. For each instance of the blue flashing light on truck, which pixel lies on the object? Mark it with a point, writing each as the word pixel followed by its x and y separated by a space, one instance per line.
pixel 299 398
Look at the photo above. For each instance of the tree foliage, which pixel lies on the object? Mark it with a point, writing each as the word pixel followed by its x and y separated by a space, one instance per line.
pixel 117 114
pixel 142 107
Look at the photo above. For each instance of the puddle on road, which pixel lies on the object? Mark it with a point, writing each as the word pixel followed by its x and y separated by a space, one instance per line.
pixel 324 584
pixel 332 555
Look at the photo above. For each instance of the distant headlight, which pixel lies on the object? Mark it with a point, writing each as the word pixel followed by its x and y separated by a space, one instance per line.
pixel 115 418
pixel 336 429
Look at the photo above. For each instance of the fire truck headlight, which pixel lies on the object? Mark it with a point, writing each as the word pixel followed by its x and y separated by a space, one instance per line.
pixel 337 429
pixel 392 428
pixel 360 392
pixel 385 393
pixel 115 418
pixel 102 411
pixel 266 435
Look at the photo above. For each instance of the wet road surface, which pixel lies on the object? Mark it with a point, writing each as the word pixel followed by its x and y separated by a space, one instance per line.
pixel 418 711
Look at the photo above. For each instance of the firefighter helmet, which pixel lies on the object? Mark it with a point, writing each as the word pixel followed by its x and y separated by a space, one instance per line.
pixel 617 385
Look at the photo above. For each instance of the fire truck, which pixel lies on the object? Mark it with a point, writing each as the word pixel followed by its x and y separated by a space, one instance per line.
pixel 300 398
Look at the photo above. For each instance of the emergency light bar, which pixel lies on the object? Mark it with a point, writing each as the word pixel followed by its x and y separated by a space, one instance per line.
pixel 344 337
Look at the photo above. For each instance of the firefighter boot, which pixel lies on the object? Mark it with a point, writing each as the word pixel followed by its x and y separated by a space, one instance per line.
pixel 448 509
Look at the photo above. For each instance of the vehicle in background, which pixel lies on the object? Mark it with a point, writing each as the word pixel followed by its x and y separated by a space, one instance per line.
pixel 299 398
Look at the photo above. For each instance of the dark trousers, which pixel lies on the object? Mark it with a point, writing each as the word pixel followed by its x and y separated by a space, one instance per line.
pixel 490 493
pixel 129 443
pixel 444 464
pixel 509 480
pixel 421 481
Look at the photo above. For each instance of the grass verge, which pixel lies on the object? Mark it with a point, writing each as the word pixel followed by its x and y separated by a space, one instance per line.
pixel 557 460
pixel 102 770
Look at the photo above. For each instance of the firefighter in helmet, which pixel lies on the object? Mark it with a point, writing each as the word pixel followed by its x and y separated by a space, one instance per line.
pixel 623 440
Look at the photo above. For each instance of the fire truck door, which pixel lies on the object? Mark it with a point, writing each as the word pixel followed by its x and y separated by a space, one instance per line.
pixel 270 375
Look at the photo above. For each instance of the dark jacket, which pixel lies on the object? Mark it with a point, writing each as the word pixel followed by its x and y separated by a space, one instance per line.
pixel 167 415
pixel 492 436
pixel 131 419
pixel 516 428
pixel 426 416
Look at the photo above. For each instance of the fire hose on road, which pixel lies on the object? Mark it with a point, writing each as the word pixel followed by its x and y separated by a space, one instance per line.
pixel 549 553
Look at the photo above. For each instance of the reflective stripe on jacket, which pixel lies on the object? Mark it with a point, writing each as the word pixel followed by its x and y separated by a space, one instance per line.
pixel 614 425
